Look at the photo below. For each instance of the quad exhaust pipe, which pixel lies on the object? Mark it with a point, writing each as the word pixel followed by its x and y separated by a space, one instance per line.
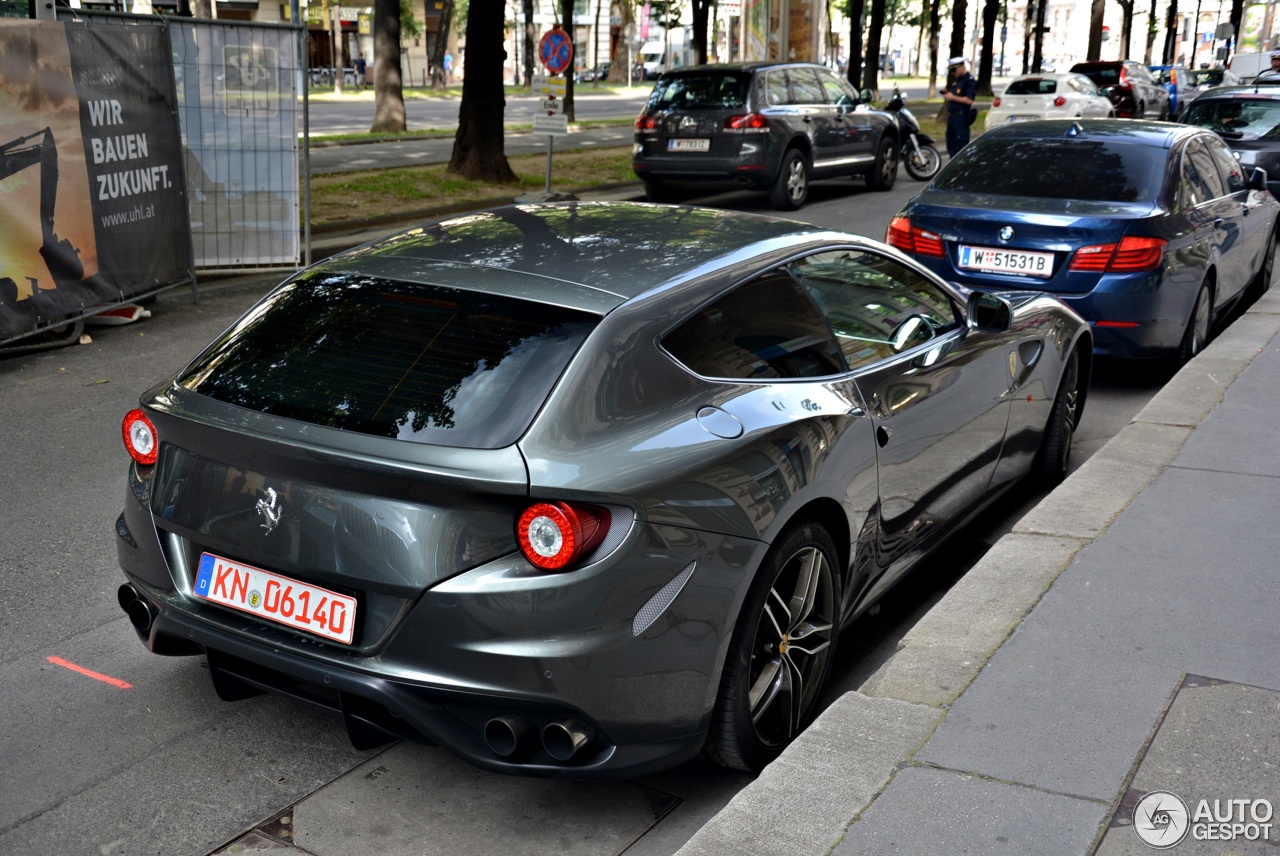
pixel 509 735
pixel 140 613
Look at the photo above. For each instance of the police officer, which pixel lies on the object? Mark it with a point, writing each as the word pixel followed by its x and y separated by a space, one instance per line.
pixel 961 90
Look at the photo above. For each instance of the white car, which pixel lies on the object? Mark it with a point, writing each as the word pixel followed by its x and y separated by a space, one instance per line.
pixel 1048 96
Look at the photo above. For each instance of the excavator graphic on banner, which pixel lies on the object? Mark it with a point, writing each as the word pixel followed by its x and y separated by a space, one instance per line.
pixel 62 259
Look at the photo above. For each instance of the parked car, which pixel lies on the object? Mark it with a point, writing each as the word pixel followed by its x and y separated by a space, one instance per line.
pixel 1150 230
pixel 1174 79
pixel 1132 90
pixel 1205 78
pixel 1047 96
pixel 1248 120
pixel 766 126
pixel 579 490
pixel 1247 66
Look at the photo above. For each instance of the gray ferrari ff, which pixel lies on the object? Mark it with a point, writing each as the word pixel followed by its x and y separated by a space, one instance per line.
pixel 579 490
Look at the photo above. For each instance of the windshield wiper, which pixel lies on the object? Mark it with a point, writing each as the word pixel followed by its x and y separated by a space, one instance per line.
pixel 1231 135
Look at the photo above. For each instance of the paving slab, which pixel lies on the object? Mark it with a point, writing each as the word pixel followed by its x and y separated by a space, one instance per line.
pixel 802 803
pixel 927 811
pixel 1219 742
pixel 1067 703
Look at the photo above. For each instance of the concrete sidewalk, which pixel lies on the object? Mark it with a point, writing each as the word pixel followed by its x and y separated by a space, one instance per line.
pixel 1123 639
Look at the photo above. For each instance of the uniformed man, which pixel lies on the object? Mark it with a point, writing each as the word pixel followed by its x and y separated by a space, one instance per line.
pixel 961 91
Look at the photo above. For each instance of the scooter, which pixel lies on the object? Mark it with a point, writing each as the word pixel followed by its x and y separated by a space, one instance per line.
pixel 919 155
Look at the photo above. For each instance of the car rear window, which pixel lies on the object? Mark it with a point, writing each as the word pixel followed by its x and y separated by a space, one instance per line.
pixel 415 362
pixel 1057 168
pixel 1108 76
pixel 710 90
pixel 1237 118
pixel 1034 86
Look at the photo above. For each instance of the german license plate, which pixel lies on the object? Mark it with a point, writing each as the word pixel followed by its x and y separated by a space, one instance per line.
pixel 1018 262
pixel 295 604
pixel 689 145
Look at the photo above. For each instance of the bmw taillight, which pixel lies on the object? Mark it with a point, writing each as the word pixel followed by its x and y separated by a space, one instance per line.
pixel 1131 255
pixel 646 122
pixel 554 535
pixel 912 239
pixel 746 122
pixel 1059 101
pixel 140 437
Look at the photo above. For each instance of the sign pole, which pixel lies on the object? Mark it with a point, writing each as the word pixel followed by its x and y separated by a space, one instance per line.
pixel 555 51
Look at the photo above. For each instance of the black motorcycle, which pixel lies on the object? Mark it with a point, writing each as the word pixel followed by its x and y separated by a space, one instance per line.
pixel 919 155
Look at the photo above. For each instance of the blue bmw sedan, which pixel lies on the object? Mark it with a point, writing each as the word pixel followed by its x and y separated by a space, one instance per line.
pixel 1151 231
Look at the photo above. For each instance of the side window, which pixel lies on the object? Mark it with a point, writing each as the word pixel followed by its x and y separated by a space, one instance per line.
pixel 1206 170
pixel 775 88
pixel 876 306
pixel 836 94
pixel 1232 172
pixel 766 328
pixel 805 88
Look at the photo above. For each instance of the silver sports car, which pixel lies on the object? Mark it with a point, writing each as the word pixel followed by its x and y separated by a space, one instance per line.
pixel 579 490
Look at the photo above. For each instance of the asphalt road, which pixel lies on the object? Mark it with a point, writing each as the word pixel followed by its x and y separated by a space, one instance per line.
pixel 150 761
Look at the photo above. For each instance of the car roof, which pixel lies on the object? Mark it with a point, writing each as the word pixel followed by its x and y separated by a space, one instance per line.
pixel 592 256
pixel 1262 89
pixel 1146 132
pixel 748 67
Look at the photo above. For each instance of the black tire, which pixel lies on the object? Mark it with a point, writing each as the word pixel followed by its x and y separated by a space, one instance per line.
pixel 1054 456
pixel 924 165
pixel 656 191
pixel 781 651
pixel 1261 283
pixel 1141 112
pixel 885 171
pixel 1199 326
pixel 792 186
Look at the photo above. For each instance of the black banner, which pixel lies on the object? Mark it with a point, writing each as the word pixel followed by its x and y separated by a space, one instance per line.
pixel 90 171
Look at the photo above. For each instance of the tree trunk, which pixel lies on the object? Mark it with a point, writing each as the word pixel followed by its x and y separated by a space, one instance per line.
pixel 853 72
pixel 1171 32
pixel 478 146
pixel 335 41
pixel 1097 10
pixel 871 75
pixel 1037 60
pixel 959 10
pixel 530 36
pixel 566 21
pixel 388 85
pixel 701 11
pixel 990 14
pixel 935 27
pixel 1151 33
pixel 1237 19
pixel 1027 26
pixel 438 46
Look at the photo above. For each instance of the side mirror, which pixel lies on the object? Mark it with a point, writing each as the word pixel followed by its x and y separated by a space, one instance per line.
pixel 867 95
pixel 1258 179
pixel 988 312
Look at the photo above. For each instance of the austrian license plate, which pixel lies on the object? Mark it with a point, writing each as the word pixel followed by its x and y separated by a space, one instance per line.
pixel 688 145
pixel 1006 261
pixel 295 604
pixel 1013 119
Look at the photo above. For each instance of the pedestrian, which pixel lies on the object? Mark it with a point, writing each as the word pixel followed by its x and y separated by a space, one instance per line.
pixel 960 93
pixel 448 68
pixel 361 68
pixel 1275 61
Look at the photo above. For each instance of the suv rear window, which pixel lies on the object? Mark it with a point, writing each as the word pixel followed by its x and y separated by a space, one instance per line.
pixel 392 359
pixel 1105 76
pixel 1237 118
pixel 709 90
pixel 1032 86
pixel 1087 170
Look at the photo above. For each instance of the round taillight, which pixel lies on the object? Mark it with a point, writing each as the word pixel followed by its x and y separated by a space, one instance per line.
pixel 996 102
pixel 552 535
pixel 140 437
pixel 1059 101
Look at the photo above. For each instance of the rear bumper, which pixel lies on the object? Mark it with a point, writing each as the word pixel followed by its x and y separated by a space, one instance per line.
pixel 377 710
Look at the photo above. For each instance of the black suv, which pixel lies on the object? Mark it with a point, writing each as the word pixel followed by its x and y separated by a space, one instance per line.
pixel 768 126
pixel 1135 93
pixel 1248 120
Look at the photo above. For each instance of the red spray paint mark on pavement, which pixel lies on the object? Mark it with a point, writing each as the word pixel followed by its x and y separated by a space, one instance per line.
pixel 97 676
